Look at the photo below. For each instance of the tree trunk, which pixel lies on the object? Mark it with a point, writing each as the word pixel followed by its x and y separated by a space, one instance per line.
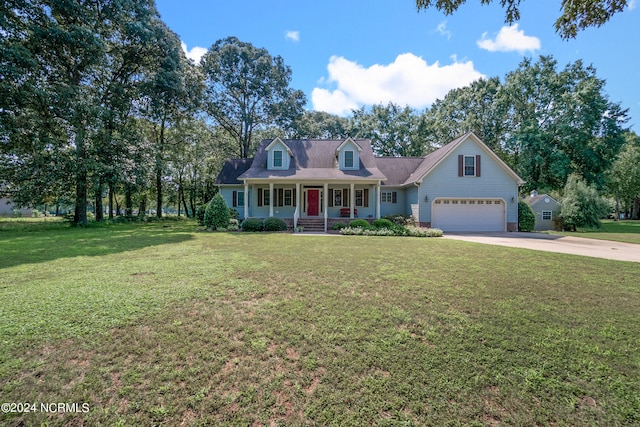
pixel 99 210
pixel 80 214
pixel 111 200
pixel 635 210
pixel 159 153
pixel 128 201
pixel 143 206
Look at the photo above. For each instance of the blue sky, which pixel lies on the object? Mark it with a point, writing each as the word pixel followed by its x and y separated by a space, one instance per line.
pixel 349 53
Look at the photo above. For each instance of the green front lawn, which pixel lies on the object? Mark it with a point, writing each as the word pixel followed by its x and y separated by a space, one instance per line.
pixel 619 231
pixel 157 324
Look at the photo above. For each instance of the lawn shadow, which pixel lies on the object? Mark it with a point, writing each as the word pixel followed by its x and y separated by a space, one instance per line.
pixel 32 247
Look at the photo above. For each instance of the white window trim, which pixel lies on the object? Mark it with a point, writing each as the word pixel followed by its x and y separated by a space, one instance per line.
pixel 465 166
pixel 353 159
pixel 550 215
pixel 281 159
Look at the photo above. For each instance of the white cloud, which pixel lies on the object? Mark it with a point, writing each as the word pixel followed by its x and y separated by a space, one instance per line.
pixel 510 39
pixel 195 53
pixel 442 30
pixel 409 80
pixel 293 36
pixel 632 4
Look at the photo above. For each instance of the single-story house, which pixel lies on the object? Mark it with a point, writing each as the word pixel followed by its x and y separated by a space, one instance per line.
pixel 546 210
pixel 463 186
pixel 8 209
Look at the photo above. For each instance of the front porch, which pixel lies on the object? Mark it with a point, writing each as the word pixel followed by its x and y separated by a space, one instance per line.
pixel 312 203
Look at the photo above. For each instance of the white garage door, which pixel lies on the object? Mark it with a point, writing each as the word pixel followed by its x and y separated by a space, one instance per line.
pixel 468 215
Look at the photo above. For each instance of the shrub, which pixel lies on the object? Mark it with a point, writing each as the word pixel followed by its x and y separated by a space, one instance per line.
pixel 200 214
pixel 383 223
pixel 274 224
pixel 526 217
pixel 581 205
pixel 401 219
pixel 233 213
pixel 360 223
pixel 251 224
pixel 338 226
pixel 217 214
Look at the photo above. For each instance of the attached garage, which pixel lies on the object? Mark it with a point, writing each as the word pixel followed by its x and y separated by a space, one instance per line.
pixel 469 214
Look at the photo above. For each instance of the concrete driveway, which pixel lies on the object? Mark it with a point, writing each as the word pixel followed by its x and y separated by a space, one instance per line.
pixel 554 243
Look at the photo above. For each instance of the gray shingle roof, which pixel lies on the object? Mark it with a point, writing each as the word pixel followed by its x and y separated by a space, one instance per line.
pixel 398 169
pixel 232 169
pixel 315 159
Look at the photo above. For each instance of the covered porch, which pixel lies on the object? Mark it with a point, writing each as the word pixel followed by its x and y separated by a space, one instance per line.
pixel 329 202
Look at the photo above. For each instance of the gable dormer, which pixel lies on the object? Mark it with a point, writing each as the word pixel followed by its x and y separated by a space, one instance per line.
pixel 278 155
pixel 348 154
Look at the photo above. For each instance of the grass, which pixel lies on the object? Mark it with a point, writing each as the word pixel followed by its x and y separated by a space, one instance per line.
pixel 619 231
pixel 157 325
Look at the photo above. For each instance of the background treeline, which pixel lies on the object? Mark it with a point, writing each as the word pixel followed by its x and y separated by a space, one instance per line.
pixel 100 107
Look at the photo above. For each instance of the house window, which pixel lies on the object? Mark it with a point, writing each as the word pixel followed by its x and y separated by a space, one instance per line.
pixel 469 165
pixel 266 198
pixel 359 198
pixel 546 215
pixel 288 197
pixel 277 159
pixel 348 159
pixel 388 197
pixel 337 197
pixel 237 199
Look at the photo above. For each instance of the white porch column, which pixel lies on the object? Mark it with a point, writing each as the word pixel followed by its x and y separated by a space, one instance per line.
pixel 378 198
pixel 298 205
pixel 325 203
pixel 246 200
pixel 352 200
pixel 271 199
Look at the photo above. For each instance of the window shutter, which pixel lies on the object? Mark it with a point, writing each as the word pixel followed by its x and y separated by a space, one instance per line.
pixel 478 166
pixel 394 197
pixel 259 196
pixel 330 198
pixel 460 165
pixel 365 195
pixel 345 198
pixel 234 199
pixel 280 196
pixel 295 200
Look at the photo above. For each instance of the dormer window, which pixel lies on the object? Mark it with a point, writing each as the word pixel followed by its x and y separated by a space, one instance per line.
pixel 348 159
pixel 277 158
pixel 278 155
pixel 348 155
pixel 469 165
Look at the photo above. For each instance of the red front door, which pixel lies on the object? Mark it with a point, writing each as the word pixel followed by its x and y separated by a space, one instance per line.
pixel 313 202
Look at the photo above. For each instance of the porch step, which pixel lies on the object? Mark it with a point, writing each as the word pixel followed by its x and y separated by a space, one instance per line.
pixel 312 224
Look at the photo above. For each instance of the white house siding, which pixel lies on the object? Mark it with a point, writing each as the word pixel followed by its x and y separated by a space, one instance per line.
pixel 443 182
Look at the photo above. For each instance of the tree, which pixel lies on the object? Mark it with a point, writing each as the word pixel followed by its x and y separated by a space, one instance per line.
pixel 171 93
pixel 576 14
pixel 320 125
pixel 217 215
pixel 581 206
pixel 393 130
pixel 558 123
pixel 248 89
pixel 624 176
pixel 470 108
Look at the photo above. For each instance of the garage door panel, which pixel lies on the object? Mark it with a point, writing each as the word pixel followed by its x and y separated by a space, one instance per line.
pixel 468 215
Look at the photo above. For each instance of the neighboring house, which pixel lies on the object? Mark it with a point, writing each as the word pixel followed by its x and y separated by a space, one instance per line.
pixel 7 209
pixel 463 186
pixel 545 208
